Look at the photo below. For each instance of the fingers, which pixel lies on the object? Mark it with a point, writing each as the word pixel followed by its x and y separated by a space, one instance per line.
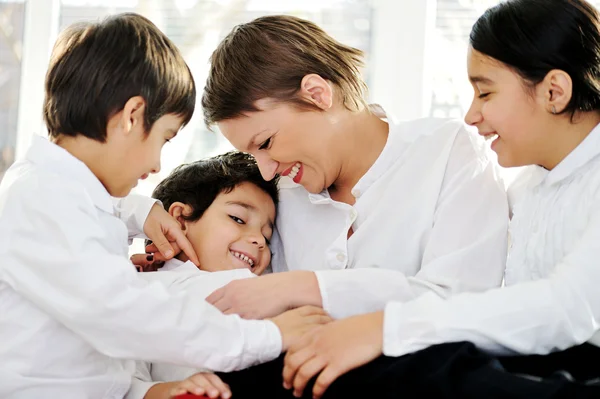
pixel 187 386
pixel 216 296
pixel 164 247
pixel 142 259
pixel 223 389
pixel 325 379
pixel 203 384
pixel 294 359
pixel 151 248
pixel 307 371
pixel 184 245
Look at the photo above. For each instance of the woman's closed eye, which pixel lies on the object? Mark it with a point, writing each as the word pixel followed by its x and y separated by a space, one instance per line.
pixel 265 145
pixel 237 219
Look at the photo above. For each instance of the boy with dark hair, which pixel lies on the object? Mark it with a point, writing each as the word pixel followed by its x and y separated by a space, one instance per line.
pixel 209 195
pixel 73 308
pixel 226 210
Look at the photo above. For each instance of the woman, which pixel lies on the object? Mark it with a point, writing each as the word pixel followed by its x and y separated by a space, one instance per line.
pixel 371 210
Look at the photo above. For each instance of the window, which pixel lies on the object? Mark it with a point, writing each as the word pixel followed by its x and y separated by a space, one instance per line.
pixel 12 17
pixel 451 94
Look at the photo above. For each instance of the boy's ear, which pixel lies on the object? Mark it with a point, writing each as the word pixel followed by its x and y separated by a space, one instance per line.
pixel 132 116
pixel 178 210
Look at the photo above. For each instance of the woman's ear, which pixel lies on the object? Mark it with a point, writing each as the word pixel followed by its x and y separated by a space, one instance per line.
pixel 178 210
pixel 317 90
pixel 558 91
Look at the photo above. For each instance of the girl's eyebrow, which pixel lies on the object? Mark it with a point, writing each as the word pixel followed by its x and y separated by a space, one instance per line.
pixel 480 79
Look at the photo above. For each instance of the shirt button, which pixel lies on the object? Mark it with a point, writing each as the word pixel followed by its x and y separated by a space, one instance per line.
pixel 341 257
pixel 355 193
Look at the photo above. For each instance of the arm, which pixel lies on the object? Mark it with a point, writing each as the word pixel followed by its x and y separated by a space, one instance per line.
pixel 74 278
pixel 535 317
pixel 465 251
pixel 133 211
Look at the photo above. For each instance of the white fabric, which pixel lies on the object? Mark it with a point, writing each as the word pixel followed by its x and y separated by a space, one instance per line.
pixel 551 300
pixel 178 276
pixel 431 215
pixel 72 305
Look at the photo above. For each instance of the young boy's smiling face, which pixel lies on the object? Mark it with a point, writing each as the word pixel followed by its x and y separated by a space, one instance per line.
pixel 234 231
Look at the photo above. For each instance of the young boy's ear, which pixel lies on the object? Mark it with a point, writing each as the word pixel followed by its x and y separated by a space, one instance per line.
pixel 178 210
pixel 132 116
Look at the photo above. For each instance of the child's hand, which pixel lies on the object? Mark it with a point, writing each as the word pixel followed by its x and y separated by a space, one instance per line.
pixel 208 384
pixel 294 323
pixel 331 351
pixel 164 231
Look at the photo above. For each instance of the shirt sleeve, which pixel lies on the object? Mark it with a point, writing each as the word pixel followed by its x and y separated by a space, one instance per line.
pixel 75 276
pixel 535 317
pixel 465 250
pixel 133 211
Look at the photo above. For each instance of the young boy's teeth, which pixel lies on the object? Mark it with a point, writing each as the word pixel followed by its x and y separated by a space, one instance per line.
pixel 295 170
pixel 492 137
pixel 243 257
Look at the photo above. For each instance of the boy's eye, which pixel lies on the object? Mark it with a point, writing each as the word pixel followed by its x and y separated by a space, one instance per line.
pixel 484 95
pixel 237 219
pixel 265 145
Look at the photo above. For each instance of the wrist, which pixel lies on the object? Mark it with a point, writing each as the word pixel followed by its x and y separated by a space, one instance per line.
pixel 376 321
pixel 305 289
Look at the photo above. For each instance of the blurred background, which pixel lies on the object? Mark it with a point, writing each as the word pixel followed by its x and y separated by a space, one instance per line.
pixel 415 55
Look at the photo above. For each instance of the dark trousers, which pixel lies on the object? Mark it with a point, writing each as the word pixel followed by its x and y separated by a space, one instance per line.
pixel 455 370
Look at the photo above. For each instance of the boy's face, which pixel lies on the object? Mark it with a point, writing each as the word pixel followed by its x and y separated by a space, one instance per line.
pixel 133 153
pixel 233 233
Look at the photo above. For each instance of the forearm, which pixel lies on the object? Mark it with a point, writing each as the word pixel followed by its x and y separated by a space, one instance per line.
pixel 304 289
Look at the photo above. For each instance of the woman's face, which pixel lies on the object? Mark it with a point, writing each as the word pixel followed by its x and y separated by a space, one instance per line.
pixel 289 141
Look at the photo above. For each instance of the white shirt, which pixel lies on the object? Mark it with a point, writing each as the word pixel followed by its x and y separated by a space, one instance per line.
pixel 431 215
pixel 178 276
pixel 72 305
pixel 551 300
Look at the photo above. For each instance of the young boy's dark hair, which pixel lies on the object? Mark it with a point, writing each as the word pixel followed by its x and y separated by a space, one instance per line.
pixel 132 57
pixel 197 184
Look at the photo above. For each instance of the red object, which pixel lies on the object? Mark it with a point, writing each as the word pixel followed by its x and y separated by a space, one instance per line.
pixel 191 396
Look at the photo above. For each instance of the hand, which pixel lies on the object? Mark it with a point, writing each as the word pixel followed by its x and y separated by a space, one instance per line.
pixel 293 324
pixel 146 262
pixel 268 295
pixel 331 351
pixel 208 384
pixel 164 230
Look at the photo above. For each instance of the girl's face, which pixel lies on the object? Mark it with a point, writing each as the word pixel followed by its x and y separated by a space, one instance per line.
pixel 515 117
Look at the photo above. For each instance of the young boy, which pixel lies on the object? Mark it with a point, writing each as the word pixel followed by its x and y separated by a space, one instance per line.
pixel 72 306
pixel 227 210
pixel 210 196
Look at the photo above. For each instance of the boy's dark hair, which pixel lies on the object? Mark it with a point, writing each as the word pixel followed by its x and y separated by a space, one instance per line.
pixel 197 184
pixel 534 37
pixel 95 68
pixel 268 57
